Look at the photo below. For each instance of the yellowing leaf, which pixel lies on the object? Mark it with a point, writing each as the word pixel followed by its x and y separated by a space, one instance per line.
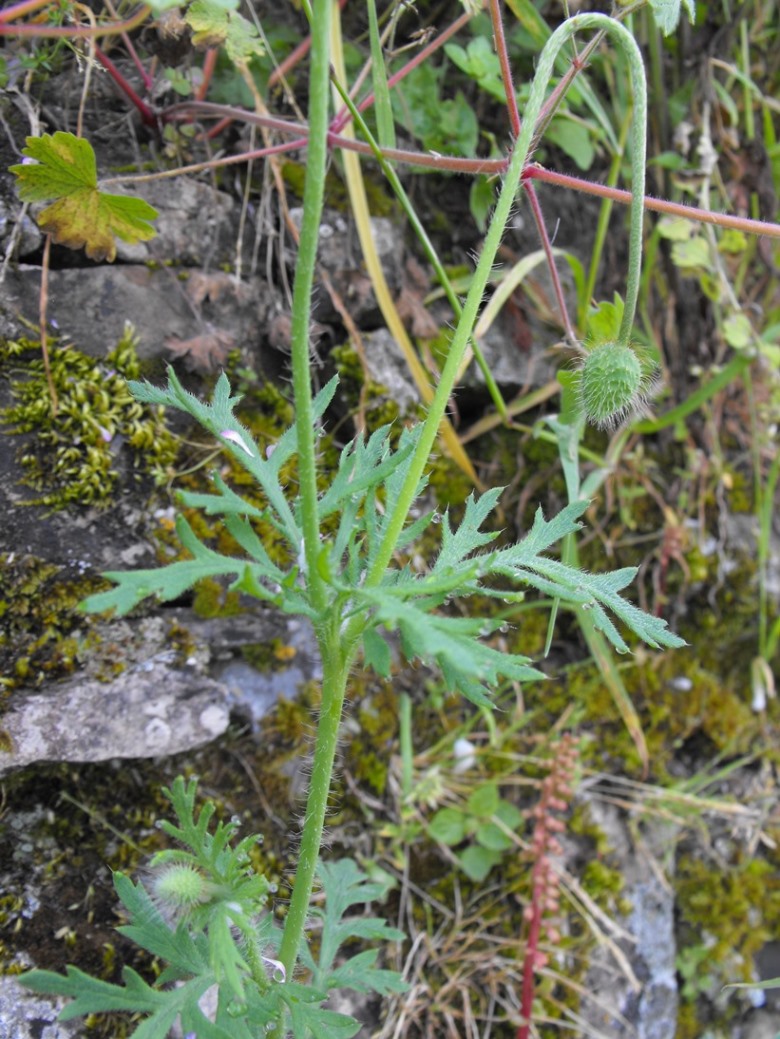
pixel 64 172
pixel 214 25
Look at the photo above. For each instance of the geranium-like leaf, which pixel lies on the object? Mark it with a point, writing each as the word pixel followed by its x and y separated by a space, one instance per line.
pixel 215 25
pixel 64 172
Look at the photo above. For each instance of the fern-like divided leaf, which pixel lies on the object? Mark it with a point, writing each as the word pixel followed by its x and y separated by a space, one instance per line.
pixel 405 602
pixel 345 886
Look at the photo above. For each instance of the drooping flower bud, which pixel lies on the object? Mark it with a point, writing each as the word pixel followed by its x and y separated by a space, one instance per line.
pixel 612 380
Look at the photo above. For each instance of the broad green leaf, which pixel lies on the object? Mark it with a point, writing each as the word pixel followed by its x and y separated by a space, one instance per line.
pixel 215 25
pixel 448 826
pixel 476 862
pixel 483 801
pixel 64 172
pixel 737 331
pixel 675 228
pixel 693 253
pixel 573 138
pixel 667 13
pixel 491 836
pixel 603 323
pixel 480 62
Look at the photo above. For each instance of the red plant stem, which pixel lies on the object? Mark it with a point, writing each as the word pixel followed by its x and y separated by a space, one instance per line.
pixel 541 227
pixel 454 164
pixel 147 79
pixel 531 950
pixel 209 164
pixel 506 67
pixel 148 115
pixel 656 205
pixel 533 198
pixel 52 31
pixel 209 64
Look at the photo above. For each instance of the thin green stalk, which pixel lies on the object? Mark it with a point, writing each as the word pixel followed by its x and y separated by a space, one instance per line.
pixel 313 192
pixel 506 201
pixel 427 245
pixel 335 670
pixel 602 226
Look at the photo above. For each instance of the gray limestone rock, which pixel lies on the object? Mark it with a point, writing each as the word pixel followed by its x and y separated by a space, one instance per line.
pixel 640 1001
pixel 25 1015
pixel 151 711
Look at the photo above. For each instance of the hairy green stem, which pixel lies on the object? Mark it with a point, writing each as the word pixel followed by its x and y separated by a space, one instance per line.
pixel 335 670
pixel 506 201
pixel 313 193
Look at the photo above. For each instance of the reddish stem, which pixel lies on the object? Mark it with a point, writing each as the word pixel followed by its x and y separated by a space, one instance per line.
pixel 455 164
pixel 531 951
pixel 533 198
pixel 541 227
pixel 506 66
pixel 147 79
pixel 53 31
pixel 656 205
pixel 209 64
pixel 148 115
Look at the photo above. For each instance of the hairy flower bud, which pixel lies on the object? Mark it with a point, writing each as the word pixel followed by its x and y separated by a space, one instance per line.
pixel 612 381
pixel 179 888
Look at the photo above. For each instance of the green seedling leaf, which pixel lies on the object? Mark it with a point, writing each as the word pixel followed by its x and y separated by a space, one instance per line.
pixel 216 25
pixel 476 862
pixel 64 172
pixel 483 801
pixel 692 254
pixel 667 13
pixel 480 62
pixel 737 331
pixel 675 228
pixel 603 323
pixel 574 139
pixel 492 837
pixel 448 826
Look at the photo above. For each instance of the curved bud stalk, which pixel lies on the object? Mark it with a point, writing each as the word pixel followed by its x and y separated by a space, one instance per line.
pixel 519 160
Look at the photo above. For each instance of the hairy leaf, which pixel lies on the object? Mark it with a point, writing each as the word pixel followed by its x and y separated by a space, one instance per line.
pixel 345 886
pixel 667 13
pixel 64 172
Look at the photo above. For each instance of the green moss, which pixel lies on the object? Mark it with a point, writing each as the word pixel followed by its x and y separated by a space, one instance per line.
pixel 380 200
pixel 71 457
pixel 371 398
pixel 43 634
pixel 212 599
pixel 736 906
